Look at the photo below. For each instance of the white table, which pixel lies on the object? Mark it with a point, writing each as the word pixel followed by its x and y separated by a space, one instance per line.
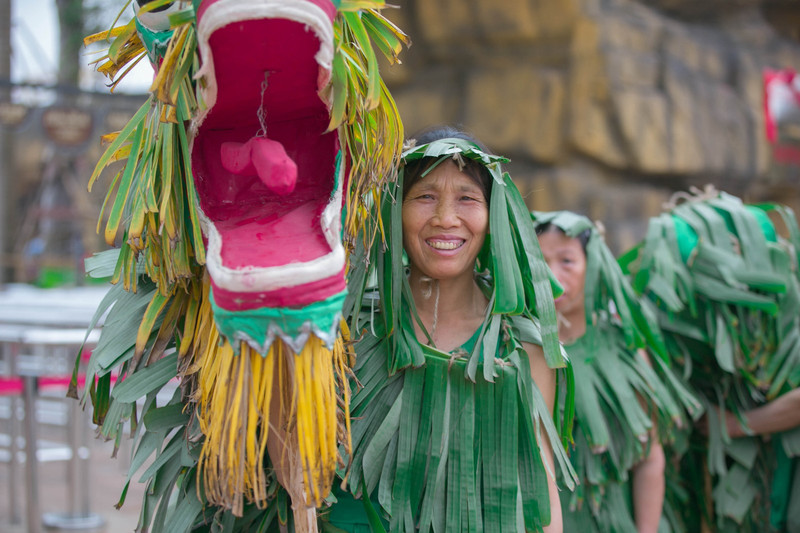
pixel 44 322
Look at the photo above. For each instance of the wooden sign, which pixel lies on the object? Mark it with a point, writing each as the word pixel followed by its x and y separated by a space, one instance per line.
pixel 12 115
pixel 67 126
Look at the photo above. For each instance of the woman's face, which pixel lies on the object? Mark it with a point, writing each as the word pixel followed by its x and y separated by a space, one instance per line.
pixel 565 257
pixel 445 219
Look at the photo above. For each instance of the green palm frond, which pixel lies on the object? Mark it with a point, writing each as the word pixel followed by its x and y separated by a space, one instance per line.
pixel 152 201
pixel 418 434
pixel 363 107
pixel 619 397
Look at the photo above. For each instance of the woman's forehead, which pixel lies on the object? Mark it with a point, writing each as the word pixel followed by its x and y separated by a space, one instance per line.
pixel 447 175
pixel 558 241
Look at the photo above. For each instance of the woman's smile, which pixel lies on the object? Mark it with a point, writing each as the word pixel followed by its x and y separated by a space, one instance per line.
pixel 445 243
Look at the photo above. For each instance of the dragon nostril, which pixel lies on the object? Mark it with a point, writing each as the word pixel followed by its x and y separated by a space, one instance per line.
pixel 142 3
pixel 155 19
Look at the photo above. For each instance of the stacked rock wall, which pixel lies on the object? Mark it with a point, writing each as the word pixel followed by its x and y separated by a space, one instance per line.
pixel 605 107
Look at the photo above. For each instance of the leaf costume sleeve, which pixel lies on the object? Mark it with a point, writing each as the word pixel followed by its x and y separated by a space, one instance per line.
pixel 451 441
pixel 618 394
pixel 726 288
pixel 265 119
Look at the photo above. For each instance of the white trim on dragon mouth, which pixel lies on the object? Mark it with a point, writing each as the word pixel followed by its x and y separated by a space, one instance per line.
pixel 225 12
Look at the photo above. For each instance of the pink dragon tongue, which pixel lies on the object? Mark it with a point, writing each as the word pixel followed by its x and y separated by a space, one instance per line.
pixel 274 166
pixel 264 157
pixel 236 158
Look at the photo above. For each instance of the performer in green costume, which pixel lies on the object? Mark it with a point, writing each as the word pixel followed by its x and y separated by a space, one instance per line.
pixel 452 421
pixel 619 393
pixel 726 288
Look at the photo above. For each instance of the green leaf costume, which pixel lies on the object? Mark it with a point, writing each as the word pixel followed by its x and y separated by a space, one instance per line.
pixel 618 394
pixel 726 288
pixel 448 441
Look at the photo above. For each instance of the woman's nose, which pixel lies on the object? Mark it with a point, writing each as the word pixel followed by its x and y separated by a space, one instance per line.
pixel 446 214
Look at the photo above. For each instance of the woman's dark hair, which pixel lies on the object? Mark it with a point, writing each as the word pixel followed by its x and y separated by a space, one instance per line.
pixel 583 237
pixel 475 170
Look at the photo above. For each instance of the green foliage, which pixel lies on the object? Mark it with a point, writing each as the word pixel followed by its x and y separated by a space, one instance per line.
pixel 437 447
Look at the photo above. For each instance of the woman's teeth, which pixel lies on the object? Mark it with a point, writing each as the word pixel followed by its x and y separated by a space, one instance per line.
pixel 445 245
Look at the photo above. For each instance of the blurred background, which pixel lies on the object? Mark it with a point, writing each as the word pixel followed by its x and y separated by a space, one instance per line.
pixel 53 110
pixel 605 107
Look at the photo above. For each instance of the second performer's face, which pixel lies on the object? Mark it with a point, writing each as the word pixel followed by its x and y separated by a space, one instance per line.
pixel 445 220
pixel 566 258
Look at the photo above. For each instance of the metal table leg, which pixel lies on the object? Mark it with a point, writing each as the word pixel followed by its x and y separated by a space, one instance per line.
pixel 79 516
pixel 14 433
pixel 31 473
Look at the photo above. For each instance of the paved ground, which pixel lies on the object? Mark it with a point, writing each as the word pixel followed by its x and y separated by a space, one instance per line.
pixel 106 479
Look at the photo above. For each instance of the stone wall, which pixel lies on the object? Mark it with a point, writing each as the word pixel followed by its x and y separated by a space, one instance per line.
pixel 605 107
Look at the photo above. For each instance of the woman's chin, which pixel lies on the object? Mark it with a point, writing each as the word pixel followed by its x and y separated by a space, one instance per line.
pixel 441 273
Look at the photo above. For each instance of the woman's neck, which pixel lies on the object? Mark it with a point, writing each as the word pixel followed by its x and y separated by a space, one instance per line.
pixel 451 310
pixel 571 326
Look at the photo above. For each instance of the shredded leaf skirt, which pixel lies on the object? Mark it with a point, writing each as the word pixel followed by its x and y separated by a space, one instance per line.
pixel 438 451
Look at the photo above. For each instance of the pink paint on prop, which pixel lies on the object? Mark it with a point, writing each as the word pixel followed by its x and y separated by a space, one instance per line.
pixel 236 158
pixel 259 227
pixel 266 196
pixel 264 157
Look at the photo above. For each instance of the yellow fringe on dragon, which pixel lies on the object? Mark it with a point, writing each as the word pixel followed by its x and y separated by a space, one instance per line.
pixel 244 178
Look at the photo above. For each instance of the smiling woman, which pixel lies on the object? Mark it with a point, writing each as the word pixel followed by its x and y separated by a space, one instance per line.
pixel 453 426
pixel 445 219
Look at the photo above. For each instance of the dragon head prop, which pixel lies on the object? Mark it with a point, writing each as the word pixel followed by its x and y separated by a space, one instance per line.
pixel 268 170
pixel 245 176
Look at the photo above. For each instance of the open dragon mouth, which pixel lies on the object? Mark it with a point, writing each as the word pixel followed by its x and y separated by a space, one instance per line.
pixel 268 175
